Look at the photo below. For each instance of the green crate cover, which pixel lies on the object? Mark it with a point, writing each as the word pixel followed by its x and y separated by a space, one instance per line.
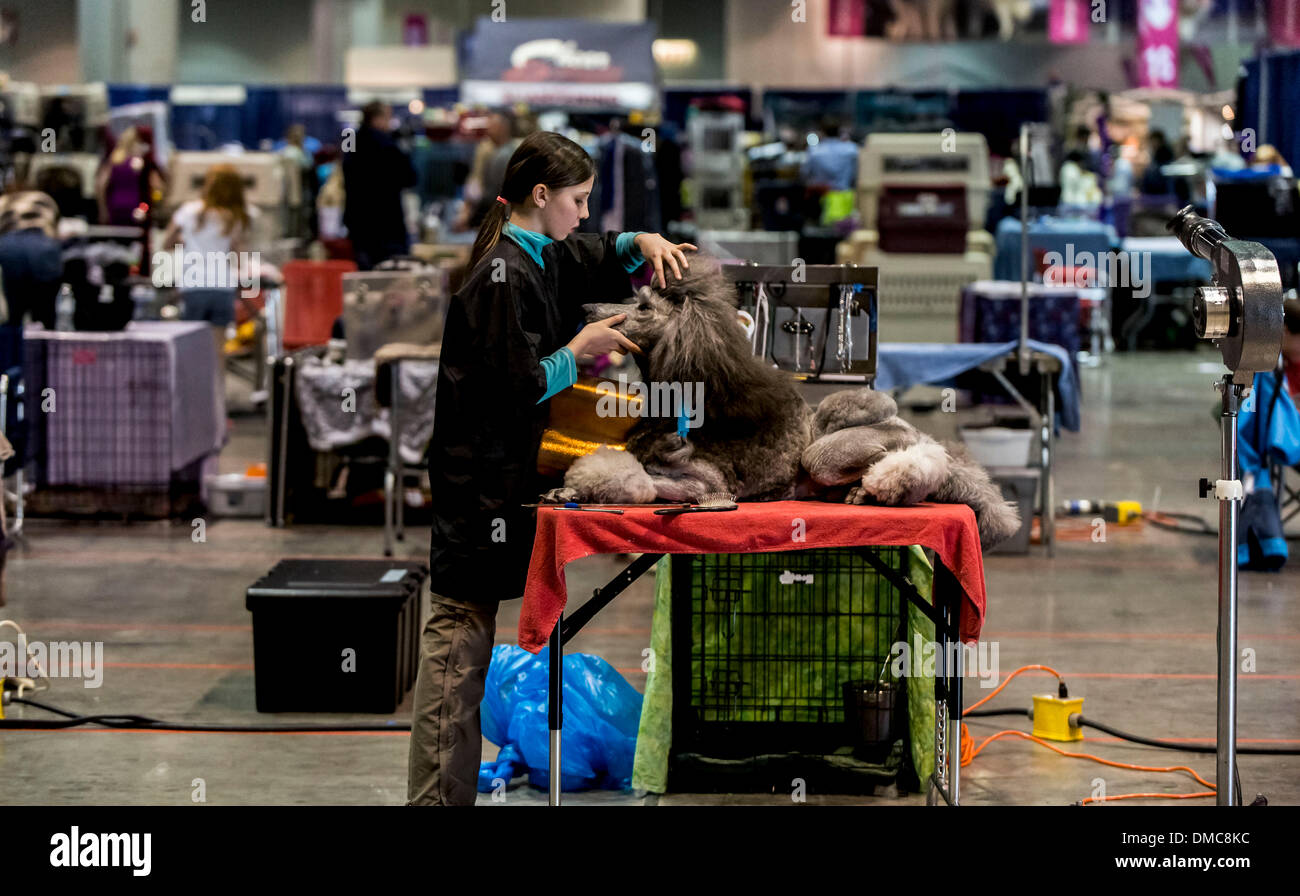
pixel 654 736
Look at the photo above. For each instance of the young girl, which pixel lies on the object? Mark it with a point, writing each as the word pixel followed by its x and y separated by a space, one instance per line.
pixel 213 226
pixel 508 345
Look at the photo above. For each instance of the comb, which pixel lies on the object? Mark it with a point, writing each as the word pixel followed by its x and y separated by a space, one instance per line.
pixel 713 501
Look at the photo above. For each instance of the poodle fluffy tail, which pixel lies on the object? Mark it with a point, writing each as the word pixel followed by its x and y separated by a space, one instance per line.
pixel 969 483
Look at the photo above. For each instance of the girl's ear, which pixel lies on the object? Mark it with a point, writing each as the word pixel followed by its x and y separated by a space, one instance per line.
pixel 540 195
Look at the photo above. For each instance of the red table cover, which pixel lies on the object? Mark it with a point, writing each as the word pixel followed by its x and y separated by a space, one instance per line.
pixel 565 535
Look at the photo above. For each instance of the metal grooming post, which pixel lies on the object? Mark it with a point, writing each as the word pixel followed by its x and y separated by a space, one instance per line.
pixel 1226 730
pixel 1242 314
pixel 1022 351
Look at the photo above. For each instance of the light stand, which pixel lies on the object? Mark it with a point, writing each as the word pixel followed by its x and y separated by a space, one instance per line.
pixel 1242 314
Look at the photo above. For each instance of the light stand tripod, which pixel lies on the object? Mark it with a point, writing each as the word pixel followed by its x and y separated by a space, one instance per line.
pixel 1242 314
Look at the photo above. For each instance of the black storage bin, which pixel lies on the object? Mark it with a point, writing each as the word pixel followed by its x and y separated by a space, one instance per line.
pixel 307 611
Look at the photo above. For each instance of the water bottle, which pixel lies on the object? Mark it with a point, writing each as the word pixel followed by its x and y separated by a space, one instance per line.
pixel 64 309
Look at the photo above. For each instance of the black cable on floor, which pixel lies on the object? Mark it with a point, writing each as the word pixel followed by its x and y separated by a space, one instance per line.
pixel 1138 739
pixel 144 723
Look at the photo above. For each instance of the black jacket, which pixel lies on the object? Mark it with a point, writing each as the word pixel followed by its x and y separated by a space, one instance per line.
pixel 508 315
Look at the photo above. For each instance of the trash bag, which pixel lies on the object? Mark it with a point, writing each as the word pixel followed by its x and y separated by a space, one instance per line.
pixel 601 715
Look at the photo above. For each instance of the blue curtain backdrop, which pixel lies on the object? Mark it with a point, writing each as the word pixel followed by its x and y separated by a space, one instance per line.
pixel 1282 128
pixel 265 114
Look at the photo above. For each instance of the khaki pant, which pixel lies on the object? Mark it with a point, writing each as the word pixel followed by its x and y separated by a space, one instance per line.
pixel 446 742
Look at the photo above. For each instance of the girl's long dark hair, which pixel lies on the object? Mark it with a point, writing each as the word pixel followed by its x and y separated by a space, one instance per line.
pixel 542 158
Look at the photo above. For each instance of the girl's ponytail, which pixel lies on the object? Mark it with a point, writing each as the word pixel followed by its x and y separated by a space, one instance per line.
pixel 489 232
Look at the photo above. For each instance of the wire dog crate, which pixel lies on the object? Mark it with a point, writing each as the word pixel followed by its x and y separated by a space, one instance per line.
pixel 764 644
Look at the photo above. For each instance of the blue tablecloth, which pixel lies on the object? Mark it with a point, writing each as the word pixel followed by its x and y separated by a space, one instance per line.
pixel 1050 235
pixel 903 364
pixel 1165 259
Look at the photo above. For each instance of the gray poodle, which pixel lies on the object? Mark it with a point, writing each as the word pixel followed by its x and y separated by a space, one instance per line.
pixel 756 438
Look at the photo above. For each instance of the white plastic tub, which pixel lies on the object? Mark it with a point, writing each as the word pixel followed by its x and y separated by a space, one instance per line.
pixel 234 494
pixel 998 446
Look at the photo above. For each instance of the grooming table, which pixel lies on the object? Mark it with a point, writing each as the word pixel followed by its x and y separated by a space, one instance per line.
pixel 958 598
pixel 903 364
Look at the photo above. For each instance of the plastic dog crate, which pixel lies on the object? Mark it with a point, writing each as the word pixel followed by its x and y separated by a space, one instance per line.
pixel 336 635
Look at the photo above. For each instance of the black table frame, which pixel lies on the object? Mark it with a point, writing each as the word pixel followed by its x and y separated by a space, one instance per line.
pixel 945 612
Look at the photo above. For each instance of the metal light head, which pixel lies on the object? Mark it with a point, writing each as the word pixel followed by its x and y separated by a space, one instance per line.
pixel 1242 312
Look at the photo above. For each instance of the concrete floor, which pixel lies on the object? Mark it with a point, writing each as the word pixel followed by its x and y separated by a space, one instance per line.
pixel 1130 621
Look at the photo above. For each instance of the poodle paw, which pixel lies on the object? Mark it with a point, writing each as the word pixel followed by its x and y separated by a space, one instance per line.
pixel 856 495
pixel 561 495
pixel 908 476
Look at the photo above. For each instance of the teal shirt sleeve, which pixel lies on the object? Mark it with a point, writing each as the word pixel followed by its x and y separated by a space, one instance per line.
pixel 561 372
pixel 628 253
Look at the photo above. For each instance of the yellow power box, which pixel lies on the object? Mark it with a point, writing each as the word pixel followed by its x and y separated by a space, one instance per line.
pixel 1052 717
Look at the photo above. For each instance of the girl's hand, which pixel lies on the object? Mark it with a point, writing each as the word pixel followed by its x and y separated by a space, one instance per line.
pixel 601 338
pixel 657 251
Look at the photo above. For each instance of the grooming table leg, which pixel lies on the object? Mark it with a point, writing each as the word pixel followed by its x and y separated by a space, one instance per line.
pixel 1049 494
pixel 945 782
pixel 392 475
pixel 398 466
pixel 952 621
pixel 555 708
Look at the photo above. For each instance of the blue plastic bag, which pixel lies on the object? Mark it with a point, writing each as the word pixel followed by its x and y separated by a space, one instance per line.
pixel 601 715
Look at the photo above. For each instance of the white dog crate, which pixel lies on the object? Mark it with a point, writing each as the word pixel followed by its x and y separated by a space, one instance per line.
pixel 918 283
pixel 758 246
pixel 265 185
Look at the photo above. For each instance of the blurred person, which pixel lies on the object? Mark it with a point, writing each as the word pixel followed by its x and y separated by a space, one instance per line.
pixel 1267 158
pixel 375 173
pixel 31 261
pixel 294 147
pixel 129 180
pixel 831 164
pixel 215 225
pixel 63 184
pixel 1078 183
pixel 1227 157
pixel 31 257
pixel 1154 182
pixel 488 171
pixel 832 161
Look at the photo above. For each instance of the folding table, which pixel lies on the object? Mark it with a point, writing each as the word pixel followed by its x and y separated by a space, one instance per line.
pixel 949 530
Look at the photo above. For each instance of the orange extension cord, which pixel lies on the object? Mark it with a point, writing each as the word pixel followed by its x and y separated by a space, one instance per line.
pixel 969 751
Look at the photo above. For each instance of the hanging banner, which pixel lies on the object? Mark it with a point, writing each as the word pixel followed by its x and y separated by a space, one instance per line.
pixel 565 63
pixel 1157 62
pixel 847 18
pixel 1284 23
pixel 1068 21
